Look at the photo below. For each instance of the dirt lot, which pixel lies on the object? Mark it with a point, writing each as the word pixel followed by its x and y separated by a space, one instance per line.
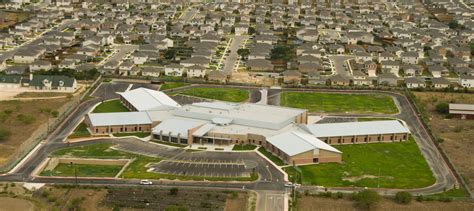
pixel 15 204
pixel 457 134
pixel 55 198
pixel 20 119
pixel 11 18
pixel 307 203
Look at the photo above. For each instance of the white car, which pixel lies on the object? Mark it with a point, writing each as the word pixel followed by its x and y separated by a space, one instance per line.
pixel 289 185
pixel 146 182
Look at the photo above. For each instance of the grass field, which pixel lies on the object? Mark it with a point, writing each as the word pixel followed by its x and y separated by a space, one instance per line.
pixel 272 157
pixel 172 85
pixel 83 170
pixel 21 119
pixel 385 165
pixel 80 131
pixel 110 106
pixel 223 94
pixel 138 134
pixel 239 147
pixel 339 103
pixel 40 94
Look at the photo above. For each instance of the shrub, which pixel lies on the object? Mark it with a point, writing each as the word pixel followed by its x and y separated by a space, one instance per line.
pixel 420 198
pixel 4 134
pixel 339 195
pixel 442 108
pixel 174 191
pixel 367 198
pixel 403 197
pixel 25 119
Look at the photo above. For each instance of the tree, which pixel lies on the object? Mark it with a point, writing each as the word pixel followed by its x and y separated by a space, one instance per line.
pixel 243 53
pixel 4 134
pixel 442 108
pixel 174 191
pixel 367 198
pixel 403 197
pixel 453 25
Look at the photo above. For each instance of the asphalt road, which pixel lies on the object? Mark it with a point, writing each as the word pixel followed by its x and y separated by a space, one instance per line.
pixel 122 52
pixel 338 62
pixel 232 58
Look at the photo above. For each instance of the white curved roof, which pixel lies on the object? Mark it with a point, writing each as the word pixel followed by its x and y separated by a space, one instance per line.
pixel 144 99
pixel 356 128
pixel 295 142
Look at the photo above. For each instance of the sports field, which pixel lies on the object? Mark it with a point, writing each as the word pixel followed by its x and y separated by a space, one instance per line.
pixel 384 165
pixel 339 103
pixel 223 94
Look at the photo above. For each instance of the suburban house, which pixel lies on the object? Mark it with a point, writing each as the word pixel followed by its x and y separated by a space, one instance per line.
pixel 53 83
pixel 174 70
pixel 466 81
pixel 462 111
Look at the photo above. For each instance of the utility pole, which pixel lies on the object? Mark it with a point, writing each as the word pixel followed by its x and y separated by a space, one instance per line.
pixel 75 171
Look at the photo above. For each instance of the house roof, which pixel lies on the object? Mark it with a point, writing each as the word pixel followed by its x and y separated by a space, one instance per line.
pixel 56 80
pixel 144 99
pixel 295 142
pixel 356 128
pixel 177 126
pixel 119 118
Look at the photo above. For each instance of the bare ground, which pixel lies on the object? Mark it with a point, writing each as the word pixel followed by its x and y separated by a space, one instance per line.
pixel 457 133
pixel 311 203
pixel 21 119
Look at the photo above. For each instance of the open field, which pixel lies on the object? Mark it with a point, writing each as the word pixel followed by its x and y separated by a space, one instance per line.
pixel 110 106
pixel 272 157
pixel 12 18
pixel 137 169
pixel 83 170
pixel 314 203
pixel 41 94
pixel 385 165
pixel 339 103
pixel 457 134
pixel 172 85
pixel 20 119
pixel 223 94
pixel 8 203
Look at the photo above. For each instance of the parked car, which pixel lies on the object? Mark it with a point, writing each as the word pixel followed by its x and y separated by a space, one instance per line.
pixel 146 182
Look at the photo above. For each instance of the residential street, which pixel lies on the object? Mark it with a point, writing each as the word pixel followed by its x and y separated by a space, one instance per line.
pixel 338 62
pixel 231 60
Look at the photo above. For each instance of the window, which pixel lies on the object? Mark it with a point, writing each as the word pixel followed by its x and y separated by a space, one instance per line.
pixel 121 129
pixel 174 139
pixel 183 141
pixel 165 138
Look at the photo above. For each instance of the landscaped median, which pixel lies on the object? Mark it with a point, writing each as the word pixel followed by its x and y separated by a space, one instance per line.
pixel 384 165
pixel 276 160
pixel 98 155
pixel 340 102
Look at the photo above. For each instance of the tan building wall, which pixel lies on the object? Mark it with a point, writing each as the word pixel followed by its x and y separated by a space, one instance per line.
pixel 365 138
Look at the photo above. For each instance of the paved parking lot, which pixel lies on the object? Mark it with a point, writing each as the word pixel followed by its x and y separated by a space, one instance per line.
pixel 203 167
pixel 109 90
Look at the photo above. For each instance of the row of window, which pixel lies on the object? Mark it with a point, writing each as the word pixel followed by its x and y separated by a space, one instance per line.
pixel 111 130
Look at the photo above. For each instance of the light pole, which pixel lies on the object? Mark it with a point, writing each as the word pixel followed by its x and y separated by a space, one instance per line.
pixel 75 172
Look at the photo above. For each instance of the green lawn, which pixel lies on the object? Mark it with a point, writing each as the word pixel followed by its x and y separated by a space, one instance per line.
pixel 239 147
pixel 272 157
pixel 80 131
pixel 83 170
pixel 169 143
pixel 223 94
pixel 137 134
pixel 110 106
pixel 452 193
pixel 339 103
pixel 172 85
pixel 101 150
pixel 385 165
